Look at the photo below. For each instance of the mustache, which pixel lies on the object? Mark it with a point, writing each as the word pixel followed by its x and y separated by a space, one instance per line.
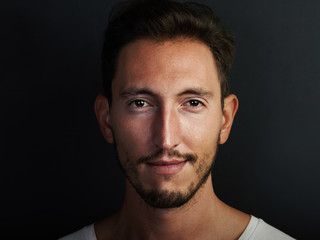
pixel 171 153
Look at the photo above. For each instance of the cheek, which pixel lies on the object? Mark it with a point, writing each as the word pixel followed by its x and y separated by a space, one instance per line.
pixel 131 136
pixel 202 135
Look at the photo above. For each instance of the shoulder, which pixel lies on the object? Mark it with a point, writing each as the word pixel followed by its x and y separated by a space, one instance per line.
pixel 257 229
pixel 108 229
pixel 105 229
pixel 85 233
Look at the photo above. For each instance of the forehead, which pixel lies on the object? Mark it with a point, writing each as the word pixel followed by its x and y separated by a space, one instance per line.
pixel 161 65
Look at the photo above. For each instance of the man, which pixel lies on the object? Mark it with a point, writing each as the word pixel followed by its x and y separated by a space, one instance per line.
pixel 167 108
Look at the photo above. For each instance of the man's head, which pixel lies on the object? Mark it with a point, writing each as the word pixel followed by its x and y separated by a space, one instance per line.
pixel 166 117
pixel 160 21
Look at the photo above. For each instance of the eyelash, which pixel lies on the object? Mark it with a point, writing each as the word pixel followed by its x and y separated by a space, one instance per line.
pixel 192 105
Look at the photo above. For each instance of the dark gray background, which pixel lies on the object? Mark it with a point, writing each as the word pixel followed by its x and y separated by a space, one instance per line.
pixel 59 174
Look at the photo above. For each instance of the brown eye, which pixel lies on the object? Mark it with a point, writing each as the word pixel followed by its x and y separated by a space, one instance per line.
pixel 139 103
pixel 194 103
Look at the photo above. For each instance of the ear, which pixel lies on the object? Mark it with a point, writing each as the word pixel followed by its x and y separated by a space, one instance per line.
pixel 101 108
pixel 230 108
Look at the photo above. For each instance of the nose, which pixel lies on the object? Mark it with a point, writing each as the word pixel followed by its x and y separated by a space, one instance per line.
pixel 166 129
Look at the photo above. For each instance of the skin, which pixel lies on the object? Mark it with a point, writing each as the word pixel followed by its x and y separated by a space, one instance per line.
pixel 166 96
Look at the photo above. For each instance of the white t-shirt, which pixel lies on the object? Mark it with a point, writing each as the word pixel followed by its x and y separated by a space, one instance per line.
pixel 85 233
pixel 257 229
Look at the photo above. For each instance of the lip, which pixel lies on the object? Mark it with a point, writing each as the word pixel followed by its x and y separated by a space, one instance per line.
pixel 166 167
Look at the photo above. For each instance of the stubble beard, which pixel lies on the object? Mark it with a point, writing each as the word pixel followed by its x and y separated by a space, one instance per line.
pixel 164 198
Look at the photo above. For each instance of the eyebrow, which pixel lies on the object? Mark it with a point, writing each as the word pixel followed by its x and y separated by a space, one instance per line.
pixel 196 91
pixel 145 91
pixel 136 91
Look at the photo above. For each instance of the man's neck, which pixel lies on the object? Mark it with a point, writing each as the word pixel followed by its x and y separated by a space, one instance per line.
pixel 203 217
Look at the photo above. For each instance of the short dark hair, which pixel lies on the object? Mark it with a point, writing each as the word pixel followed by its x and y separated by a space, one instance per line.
pixel 162 20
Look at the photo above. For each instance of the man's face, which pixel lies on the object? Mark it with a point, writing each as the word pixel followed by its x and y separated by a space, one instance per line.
pixel 166 118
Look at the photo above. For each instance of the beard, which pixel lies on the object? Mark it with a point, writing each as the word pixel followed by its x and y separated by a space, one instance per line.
pixel 165 198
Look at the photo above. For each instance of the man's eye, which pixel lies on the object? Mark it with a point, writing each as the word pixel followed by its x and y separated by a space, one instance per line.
pixel 139 103
pixel 194 103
